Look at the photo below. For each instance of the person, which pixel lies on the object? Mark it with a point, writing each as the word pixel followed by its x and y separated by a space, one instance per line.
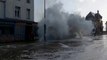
pixel 101 27
pixel 94 32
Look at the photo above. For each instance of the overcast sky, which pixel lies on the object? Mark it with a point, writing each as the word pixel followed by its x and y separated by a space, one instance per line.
pixel 38 12
pixel 70 6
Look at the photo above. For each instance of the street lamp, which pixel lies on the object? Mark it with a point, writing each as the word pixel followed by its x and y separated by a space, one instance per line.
pixel 44 20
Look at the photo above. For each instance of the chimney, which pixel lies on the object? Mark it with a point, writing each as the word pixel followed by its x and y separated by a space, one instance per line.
pixel 98 11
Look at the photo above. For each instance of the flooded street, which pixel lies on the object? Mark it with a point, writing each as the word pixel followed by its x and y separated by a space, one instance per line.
pixel 87 48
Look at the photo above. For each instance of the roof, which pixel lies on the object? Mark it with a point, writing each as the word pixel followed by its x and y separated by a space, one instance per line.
pixel 93 16
pixel 98 16
pixel 90 15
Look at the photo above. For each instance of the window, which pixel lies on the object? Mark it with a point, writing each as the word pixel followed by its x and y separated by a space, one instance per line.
pixel 28 13
pixel 6 29
pixel 28 1
pixel 17 11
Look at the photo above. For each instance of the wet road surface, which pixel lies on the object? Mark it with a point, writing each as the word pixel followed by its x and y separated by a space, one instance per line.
pixel 87 48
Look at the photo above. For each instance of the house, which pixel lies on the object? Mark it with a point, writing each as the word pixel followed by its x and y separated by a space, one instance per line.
pixel 96 19
pixel 17 20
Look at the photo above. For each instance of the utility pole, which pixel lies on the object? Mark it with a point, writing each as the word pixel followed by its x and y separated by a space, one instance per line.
pixel 44 21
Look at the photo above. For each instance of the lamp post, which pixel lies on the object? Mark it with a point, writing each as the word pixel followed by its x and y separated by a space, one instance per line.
pixel 44 21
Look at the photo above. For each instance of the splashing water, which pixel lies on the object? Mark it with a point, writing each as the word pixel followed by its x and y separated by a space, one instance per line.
pixel 61 25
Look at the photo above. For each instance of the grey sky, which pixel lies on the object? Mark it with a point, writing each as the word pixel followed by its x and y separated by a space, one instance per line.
pixel 70 6
pixel 38 12
pixel 39 8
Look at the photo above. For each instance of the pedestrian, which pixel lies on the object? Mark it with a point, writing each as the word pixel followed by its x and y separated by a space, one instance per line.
pixel 94 32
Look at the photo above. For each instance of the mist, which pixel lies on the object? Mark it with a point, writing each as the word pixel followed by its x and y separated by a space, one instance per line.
pixel 61 25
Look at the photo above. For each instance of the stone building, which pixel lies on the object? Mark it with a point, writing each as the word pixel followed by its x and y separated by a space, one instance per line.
pixel 96 19
pixel 17 20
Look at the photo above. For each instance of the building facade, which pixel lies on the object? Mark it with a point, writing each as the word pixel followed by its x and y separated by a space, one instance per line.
pixel 96 19
pixel 106 26
pixel 17 9
pixel 17 20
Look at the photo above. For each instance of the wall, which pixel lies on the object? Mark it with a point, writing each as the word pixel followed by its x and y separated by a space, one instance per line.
pixel 1 10
pixel 20 31
pixel 10 9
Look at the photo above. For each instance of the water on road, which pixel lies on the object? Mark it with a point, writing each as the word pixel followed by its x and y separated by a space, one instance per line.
pixel 87 48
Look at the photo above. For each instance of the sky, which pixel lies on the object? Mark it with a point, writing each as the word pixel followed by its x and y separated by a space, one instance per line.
pixel 81 6
pixel 39 8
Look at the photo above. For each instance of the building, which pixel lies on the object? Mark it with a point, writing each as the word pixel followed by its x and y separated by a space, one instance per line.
pixel 17 9
pixel 106 26
pixel 96 19
pixel 17 20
